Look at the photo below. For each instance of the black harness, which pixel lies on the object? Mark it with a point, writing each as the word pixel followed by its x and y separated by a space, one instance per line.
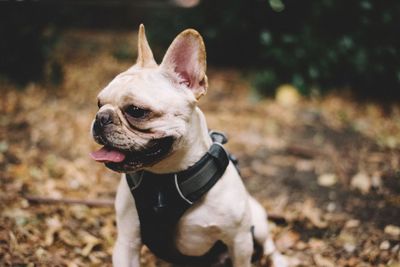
pixel 162 199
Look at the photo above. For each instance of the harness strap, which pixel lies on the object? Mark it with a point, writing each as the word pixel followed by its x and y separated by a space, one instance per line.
pixel 196 181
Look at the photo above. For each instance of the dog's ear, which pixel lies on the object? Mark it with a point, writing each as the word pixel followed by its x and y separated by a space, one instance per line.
pixel 186 58
pixel 145 57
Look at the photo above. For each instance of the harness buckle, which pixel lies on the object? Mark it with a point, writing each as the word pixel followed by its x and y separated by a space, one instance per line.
pixel 218 137
pixel 218 152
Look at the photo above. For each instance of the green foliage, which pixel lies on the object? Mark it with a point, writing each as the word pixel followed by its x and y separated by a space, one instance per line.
pixel 311 44
pixel 265 79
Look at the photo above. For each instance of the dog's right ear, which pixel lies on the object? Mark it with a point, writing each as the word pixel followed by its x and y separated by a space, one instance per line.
pixel 145 57
pixel 186 60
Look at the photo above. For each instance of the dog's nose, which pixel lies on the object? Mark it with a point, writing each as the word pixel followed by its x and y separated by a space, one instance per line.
pixel 104 118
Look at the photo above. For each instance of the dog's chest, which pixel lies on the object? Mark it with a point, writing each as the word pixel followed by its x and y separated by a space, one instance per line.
pixel 213 218
pixel 196 234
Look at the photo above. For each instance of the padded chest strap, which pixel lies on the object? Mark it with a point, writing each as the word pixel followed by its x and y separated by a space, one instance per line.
pixel 198 179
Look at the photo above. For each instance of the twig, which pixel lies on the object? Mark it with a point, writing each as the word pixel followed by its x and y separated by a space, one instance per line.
pixel 304 151
pixel 70 201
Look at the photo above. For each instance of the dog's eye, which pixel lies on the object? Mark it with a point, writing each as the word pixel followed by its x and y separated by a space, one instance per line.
pixel 136 112
pixel 99 104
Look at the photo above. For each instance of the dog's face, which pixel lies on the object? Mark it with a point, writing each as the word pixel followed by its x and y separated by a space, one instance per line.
pixel 144 112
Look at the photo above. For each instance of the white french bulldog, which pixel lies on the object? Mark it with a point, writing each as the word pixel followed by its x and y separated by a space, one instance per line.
pixel 148 119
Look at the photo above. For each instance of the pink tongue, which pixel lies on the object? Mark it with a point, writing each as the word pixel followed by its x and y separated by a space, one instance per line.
pixel 107 155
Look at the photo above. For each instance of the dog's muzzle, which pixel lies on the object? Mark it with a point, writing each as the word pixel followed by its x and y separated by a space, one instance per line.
pixel 124 161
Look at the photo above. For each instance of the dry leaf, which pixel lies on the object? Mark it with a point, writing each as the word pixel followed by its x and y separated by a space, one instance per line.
pixel 316 244
pixel 352 223
pixel 323 262
pixel 70 239
pixel 72 264
pixel 90 242
pixel 392 230
pixel 107 232
pixel 20 216
pixel 313 214
pixel 385 245
pixel 362 182
pixel 13 241
pixel 305 165
pixel 287 240
pixel 327 179
pixel 53 225
pixel 376 180
pixel 348 241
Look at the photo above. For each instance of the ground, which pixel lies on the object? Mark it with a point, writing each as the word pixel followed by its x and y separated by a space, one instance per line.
pixel 325 167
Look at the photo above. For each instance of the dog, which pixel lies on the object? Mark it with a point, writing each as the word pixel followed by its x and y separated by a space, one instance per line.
pixel 149 124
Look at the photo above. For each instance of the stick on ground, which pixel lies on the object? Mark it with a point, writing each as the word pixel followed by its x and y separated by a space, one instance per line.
pixel 70 201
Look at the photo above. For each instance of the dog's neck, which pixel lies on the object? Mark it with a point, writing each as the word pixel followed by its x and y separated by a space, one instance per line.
pixel 195 144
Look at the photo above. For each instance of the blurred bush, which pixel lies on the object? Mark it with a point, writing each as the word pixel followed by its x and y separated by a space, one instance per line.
pixel 312 44
pixel 26 45
pixel 29 36
pixel 30 31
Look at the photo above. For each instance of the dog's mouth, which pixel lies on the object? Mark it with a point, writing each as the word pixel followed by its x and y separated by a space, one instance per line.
pixel 123 160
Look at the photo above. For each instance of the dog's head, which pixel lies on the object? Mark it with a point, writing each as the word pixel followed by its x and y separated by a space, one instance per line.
pixel 144 112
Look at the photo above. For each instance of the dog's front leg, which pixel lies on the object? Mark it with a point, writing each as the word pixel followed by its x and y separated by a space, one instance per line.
pixel 241 249
pixel 127 248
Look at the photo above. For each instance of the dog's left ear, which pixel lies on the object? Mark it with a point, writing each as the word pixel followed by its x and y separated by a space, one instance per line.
pixel 145 57
pixel 186 58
